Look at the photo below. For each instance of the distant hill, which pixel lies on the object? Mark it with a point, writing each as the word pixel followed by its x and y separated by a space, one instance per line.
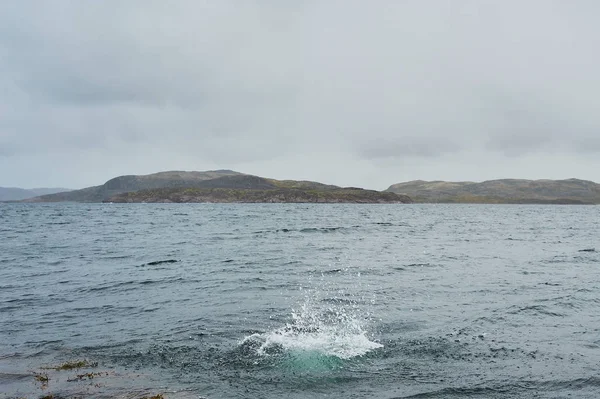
pixel 510 191
pixel 17 194
pixel 272 195
pixel 218 186
pixel 129 183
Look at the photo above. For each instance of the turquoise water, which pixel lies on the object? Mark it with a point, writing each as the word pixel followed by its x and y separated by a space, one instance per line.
pixel 301 301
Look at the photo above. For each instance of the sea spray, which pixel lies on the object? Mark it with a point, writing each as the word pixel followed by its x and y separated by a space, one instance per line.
pixel 327 328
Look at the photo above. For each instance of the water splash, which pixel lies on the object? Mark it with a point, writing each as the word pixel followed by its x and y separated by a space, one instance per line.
pixel 317 336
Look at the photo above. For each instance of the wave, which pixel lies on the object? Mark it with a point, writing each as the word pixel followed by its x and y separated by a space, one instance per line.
pixel 514 389
pixel 327 229
pixel 305 230
pixel 161 262
pixel 534 310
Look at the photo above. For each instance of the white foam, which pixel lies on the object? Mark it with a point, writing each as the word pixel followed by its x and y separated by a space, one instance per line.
pixel 331 332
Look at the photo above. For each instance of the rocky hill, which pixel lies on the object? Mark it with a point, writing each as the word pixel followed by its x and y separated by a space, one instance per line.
pixel 510 191
pixel 129 183
pixel 272 195
pixel 218 186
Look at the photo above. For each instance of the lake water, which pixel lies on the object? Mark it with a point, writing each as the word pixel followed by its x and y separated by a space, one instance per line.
pixel 301 301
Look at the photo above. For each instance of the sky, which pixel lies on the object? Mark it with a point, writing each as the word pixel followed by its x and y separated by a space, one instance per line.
pixel 353 93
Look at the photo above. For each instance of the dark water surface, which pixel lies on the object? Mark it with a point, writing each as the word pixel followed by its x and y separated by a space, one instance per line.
pixel 302 301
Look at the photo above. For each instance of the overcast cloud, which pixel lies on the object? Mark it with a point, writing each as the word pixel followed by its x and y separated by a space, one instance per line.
pixel 361 93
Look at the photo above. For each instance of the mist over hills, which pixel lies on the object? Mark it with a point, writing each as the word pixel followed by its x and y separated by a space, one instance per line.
pixel 511 191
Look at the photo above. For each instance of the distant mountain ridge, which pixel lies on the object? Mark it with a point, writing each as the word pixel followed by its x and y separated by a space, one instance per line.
pixel 268 195
pixel 232 186
pixel 217 186
pixel 509 191
pixel 129 183
pixel 18 194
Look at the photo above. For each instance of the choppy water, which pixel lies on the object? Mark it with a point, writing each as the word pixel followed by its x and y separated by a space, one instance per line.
pixel 302 301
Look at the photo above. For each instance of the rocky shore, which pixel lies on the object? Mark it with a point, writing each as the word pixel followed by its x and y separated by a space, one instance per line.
pixel 225 195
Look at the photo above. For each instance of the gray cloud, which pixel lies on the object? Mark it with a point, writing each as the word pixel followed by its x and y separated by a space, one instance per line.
pixel 332 90
pixel 409 147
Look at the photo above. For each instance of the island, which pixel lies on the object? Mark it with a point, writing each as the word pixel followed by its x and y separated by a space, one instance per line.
pixel 219 186
pixel 503 191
